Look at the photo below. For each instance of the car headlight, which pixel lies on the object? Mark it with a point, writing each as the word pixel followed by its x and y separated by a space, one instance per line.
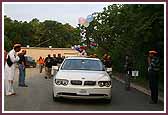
pixel 61 82
pixel 104 83
pixel 101 84
pixel 65 82
pixel 58 82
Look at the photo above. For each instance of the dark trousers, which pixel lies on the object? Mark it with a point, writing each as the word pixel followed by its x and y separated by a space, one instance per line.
pixel 41 67
pixel 21 74
pixel 127 80
pixel 153 84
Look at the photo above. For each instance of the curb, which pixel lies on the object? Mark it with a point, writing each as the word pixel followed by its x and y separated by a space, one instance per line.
pixel 139 88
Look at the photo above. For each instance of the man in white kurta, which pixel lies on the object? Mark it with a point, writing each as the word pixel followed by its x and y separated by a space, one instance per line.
pixel 10 70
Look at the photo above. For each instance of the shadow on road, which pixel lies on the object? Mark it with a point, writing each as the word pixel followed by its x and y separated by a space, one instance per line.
pixel 83 101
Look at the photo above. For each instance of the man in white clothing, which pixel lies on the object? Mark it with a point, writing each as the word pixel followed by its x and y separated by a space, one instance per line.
pixel 10 68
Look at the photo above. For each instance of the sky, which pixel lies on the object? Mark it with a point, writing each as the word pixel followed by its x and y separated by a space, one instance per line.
pixel 64 13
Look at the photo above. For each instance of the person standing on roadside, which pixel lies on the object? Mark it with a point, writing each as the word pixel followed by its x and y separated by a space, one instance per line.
pixel 22 69
pixel 128 71
pixel 104 58
pixel 41 63
pixel 48 66
pixel 10 68
pixel 54 64
pixel 153 69
pixel 108 62
pixel 60 59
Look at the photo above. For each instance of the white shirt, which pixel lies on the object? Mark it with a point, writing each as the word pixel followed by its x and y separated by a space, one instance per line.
pixel 10 71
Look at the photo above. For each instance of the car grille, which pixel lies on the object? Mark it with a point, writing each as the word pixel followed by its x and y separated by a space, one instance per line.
pixel 90 83
pixel 76 82
pixel 86 83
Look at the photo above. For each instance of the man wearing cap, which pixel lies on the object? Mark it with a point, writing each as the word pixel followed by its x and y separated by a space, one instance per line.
pixel 153 68
pixel 12 59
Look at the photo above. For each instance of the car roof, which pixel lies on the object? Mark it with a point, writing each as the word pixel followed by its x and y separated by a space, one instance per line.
pixel 77 57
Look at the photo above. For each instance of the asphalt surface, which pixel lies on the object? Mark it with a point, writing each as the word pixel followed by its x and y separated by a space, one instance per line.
pixel 38 97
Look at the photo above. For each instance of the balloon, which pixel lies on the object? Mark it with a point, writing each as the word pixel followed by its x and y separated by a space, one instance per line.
pixel 84 30
pixel 77 49
pixel 83 34
pixel 84 44
pixel 82 20
pixel 86 24
pixel 84 38
pixel 89 18
pixel 81 51
pixel 72 47
pixel 91 39
pixel 92 44
pixel 83 47
pixel 95 27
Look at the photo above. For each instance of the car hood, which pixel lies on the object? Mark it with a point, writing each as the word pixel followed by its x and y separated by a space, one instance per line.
pixel 82 75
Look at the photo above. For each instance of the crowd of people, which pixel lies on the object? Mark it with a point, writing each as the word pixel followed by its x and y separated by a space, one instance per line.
pixel 153 70
pixel 16 56
pixel 51 65
pixel 106 59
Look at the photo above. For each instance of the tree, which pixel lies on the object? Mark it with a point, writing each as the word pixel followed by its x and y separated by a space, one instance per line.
pixel 40 34
pixel 129 29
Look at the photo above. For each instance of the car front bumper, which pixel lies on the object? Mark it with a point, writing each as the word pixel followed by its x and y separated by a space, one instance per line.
pixel 82 92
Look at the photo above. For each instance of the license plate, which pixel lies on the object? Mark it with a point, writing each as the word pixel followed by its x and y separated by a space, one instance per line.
pixel 83 92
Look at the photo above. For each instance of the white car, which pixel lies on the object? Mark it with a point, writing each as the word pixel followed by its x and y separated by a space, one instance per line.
pixel 82 78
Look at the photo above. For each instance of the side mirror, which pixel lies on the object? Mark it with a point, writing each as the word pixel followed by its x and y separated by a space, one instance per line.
pixel 56 68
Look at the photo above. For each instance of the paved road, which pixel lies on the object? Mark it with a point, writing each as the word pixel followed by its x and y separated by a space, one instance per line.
pixel 38 97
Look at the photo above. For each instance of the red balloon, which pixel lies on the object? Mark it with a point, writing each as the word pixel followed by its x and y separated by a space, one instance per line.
pixel 93 44
pixel 83 47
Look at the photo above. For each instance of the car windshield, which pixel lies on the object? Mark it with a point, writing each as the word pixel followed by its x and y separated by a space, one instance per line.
pixel 82 64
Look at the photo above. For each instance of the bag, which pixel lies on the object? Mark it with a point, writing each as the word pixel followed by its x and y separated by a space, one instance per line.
pixel 9 62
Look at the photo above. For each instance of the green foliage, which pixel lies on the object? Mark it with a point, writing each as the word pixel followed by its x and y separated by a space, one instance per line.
pixel 130 29
pixel 40 34
pixel 7 44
